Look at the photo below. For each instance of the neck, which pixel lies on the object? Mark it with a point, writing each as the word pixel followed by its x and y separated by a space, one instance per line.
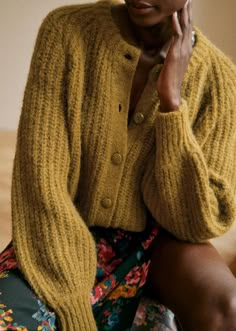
pixel 154 37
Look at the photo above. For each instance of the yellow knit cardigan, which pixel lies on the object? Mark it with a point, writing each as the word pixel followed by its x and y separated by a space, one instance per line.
pixel 79 163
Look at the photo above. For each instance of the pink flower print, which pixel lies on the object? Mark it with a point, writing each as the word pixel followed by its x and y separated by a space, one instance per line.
pixel 105 252
pixel 119 235
pixel 133 277
pixel 7 254
pixel 8 264
pixel 150 239
pixel 109 268
pixel 140 315
pixel 96 294
pixel 138 275
pixel 144 273
pixel 107 313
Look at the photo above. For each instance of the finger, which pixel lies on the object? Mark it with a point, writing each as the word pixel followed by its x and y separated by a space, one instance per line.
pixel 190 11
pixel 190 20
pixel 187 27
pixel 184 17
pixel 187 40
pixel 177 31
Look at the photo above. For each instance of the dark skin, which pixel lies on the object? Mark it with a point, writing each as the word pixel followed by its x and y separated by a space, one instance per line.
pixel 191 279
pixel 195 283
pixel 150 33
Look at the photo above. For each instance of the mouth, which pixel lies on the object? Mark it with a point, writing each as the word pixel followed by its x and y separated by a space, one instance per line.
pixel 140 7
pixel 139 4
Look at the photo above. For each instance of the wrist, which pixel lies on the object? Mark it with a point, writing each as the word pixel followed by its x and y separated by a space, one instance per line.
pixel 169 106
pixel 170 100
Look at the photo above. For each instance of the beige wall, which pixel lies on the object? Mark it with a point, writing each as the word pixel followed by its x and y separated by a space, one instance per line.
pixel 217 19
pixel 19 22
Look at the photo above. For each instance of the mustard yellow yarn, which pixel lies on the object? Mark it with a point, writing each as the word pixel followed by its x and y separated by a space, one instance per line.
pixel 180 165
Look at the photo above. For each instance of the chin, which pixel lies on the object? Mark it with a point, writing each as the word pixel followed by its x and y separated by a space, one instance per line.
pixel 142 22
pixel 148 20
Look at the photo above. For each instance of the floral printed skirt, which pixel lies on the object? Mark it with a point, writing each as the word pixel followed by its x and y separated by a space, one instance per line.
pixel 118 297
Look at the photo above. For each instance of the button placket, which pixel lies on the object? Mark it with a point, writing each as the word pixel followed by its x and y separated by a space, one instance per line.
pixel 120 139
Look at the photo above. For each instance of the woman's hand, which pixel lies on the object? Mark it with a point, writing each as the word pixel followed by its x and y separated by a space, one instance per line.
pixel 172 74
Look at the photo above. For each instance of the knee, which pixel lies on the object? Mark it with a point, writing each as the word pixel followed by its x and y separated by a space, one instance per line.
pixel 217 315
pixel 226 313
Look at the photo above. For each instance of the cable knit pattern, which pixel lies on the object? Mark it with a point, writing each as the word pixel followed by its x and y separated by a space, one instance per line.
pixel 79 163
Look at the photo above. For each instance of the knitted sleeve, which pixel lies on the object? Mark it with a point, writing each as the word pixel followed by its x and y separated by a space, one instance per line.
pixel 190 184
pixel 54 248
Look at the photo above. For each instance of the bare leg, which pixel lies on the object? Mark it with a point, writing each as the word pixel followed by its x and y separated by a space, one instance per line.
pixel 195 283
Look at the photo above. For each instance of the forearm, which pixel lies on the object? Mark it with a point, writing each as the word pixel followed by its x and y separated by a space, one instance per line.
pixel 54 248
pixel 182 186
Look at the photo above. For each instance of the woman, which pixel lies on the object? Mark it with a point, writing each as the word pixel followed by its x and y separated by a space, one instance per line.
pixel 126 148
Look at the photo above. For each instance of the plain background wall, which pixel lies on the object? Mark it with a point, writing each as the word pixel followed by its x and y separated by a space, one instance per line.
pixel 19 23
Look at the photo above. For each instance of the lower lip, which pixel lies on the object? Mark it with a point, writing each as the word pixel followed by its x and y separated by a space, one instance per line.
pixel 140 11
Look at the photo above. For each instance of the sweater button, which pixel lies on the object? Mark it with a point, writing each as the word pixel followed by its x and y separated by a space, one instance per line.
pixel 106 203
pixel 138 118
pixel 116 158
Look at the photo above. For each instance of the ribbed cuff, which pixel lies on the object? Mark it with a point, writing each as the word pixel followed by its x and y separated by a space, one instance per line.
pixel 76 314
pixel 174 133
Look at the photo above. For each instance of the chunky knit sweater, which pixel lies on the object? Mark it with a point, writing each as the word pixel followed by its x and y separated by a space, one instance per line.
pixel 80 163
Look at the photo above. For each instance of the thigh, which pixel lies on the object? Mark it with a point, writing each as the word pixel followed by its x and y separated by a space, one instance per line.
pixel 189 278
pixel 20 308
